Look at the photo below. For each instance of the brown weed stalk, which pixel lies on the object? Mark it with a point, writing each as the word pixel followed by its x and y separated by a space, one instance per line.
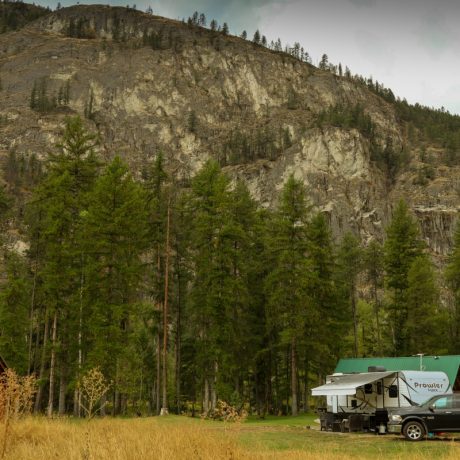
pixel 16 395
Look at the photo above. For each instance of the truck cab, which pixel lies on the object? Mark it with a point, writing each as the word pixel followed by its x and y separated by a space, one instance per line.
pixel 439 414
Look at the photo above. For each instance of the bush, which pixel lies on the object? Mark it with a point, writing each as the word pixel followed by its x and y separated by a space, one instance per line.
pixel 16 395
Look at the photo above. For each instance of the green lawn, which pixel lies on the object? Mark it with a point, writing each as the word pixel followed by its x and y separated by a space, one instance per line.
pixel 291 433
pixel 272 420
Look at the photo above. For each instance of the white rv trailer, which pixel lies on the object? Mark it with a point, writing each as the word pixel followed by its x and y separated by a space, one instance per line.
pixel 368 392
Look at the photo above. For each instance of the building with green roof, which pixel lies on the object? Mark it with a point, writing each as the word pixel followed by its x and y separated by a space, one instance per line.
pixel 448 364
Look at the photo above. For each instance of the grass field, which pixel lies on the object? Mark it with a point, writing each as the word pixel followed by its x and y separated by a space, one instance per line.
pixel 180 438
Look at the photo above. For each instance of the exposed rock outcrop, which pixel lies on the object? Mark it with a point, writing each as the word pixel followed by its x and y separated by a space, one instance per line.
pixel 148 84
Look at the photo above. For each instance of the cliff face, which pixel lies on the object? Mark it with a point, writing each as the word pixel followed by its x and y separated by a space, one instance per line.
pixel 148 84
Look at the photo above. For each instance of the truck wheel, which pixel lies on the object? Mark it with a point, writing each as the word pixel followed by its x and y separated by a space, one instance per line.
pixel 414 431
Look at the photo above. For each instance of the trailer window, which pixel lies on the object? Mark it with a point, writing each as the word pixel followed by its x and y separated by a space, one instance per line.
pixel 368 388
pixel 393 391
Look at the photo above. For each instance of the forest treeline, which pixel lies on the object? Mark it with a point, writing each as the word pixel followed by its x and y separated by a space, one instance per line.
pixel 202 290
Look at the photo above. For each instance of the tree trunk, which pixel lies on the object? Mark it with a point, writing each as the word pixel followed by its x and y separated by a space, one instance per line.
pixel 49 411
pixel 206 396
pixel 103 404
pixel 41 374
pixel 31 325
pixel 294 404
pixel 77 396
pixel 76 405
pixel 62 391
pixel 116 396
pixel 377 320
pixel 164 408
pixel 178 350
pixel 158 382
pixel 355 321
pixel 213 388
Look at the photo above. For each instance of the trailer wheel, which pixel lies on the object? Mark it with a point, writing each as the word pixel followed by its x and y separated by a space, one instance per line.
pixel 414 431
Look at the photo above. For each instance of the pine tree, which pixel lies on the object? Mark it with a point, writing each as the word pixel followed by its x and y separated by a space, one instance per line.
pixel 422 304
pixel 350 261
pixel 331 318
pixel 115 225
pixel 33 96
pixel 288 285
pixel 218 289
pixel 373 268
pixel 244 35
pixel 56 209
pixel 324 63
pixel 225 29
pixel 452 274
pixel 402 247
pixel 256 38
pixel 14 314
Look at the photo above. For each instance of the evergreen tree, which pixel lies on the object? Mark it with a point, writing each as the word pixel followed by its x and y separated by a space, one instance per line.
pixel 57 244
pixel 425 323
pixel 211 291
pixel 225 29
pixel 156 206
pixel 331 318
pixel 115 225
pixel 256 38
pixel 402 247
pixel 289 283
pixel 373 267
pixel 14 314
pixel 452 274
pixel 350 261
pixel 244 35
pixel 324 63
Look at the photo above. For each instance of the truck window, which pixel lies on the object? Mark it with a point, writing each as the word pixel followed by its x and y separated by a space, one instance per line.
pixel 443 403
pixel 456 402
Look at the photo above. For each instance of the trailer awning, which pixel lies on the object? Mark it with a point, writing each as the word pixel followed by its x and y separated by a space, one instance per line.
pixel 346 384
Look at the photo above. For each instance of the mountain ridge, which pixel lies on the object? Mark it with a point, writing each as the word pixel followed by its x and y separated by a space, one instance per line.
pixel 147 83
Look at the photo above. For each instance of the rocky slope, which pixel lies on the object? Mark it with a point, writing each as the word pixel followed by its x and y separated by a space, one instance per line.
pixel 148 83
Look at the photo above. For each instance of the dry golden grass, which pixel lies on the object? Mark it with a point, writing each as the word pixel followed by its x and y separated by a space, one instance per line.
pixel 151 438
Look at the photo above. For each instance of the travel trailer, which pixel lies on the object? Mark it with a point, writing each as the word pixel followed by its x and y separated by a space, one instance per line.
pixel 373 393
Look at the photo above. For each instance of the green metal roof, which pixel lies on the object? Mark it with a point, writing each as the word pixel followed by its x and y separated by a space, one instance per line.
pixel 447 364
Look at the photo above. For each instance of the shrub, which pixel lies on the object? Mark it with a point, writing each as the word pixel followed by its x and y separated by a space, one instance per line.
pixel 16 395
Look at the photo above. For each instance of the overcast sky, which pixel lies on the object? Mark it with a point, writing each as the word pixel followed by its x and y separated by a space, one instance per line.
pixel 412 46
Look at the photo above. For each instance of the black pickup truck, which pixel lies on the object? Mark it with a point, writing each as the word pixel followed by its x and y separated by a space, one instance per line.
pixel 438 414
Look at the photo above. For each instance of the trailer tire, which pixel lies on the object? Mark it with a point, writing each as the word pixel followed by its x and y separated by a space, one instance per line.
pixel 413 431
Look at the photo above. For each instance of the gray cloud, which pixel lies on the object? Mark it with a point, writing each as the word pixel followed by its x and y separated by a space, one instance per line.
pixel 362 2
pixel 239 14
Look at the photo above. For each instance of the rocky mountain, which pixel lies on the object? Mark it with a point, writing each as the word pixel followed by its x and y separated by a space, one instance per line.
pixel 147 83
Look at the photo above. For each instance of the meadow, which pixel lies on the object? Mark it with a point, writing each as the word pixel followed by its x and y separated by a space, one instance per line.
pixel 182 438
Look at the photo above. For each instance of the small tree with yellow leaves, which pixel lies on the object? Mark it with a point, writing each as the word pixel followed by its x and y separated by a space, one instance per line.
pixel 93 386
